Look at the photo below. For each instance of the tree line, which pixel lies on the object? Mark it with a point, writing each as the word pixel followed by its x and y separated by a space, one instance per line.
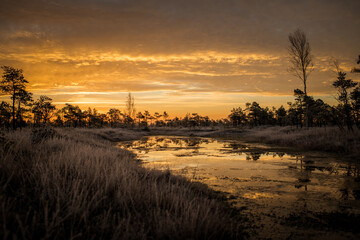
pixel 306 111
pixel 22 110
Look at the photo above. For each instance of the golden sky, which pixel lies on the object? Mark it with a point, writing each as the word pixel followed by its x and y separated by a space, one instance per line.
pixel 179 56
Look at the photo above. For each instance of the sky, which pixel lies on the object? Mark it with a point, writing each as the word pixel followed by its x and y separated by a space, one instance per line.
pixel 188 56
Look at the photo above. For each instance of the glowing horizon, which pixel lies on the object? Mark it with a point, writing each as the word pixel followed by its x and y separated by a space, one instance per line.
pixel 174 56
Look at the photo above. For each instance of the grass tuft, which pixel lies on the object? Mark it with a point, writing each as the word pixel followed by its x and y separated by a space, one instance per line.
pixel 68 184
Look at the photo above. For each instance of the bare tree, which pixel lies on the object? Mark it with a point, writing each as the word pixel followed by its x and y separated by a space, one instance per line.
pixel 130 106
pixel 300 56
pixel 301 60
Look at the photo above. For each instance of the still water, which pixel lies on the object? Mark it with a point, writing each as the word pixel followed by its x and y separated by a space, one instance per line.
pixel 272 186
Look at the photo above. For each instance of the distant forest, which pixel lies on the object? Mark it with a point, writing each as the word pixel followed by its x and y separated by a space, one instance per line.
pixel 22 110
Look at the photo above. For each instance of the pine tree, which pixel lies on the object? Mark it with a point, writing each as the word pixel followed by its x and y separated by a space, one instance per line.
pixel 13 83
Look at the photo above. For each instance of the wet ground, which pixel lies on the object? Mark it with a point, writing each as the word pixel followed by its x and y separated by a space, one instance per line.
pixel 286 195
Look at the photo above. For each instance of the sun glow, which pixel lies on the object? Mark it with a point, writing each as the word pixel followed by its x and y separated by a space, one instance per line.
pixel 208 62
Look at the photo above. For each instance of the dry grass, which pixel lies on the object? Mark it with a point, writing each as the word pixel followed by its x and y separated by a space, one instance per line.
pixel 73 184
pixel 331 139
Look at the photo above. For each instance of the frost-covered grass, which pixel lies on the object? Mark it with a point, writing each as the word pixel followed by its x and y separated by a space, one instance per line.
pixel 74 184
pixel 331 139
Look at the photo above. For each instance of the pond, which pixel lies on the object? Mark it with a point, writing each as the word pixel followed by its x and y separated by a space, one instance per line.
pixel 284 194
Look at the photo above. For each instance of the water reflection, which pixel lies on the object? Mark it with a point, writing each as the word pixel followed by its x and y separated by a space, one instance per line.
pixel 268 182
pixel 240 169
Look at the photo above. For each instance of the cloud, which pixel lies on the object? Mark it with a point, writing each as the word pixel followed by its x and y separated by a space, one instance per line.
pixel 97 49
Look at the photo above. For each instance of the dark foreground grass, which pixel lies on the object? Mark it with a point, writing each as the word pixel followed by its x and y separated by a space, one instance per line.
pixel 70 184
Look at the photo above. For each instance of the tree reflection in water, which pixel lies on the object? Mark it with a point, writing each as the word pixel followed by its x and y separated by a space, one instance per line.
pixel 304 173
pixel 302 167
pixel 270 182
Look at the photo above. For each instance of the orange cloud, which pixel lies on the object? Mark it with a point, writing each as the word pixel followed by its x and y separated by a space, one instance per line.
pixel 174 55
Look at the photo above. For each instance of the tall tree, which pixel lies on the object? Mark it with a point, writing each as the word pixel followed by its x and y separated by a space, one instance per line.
pixel 300 56
pixel 115 116
pixel 343 85
pixel 237 116
pixel 24 99
pixel 73 115
pixel 43 109
pixel 355 97
pixel 301 60
pixel 130 110
pixel 139 116
pixel 147 116
pixel 280 114
pixel 13 83
pixel 157 116
pixel 5 114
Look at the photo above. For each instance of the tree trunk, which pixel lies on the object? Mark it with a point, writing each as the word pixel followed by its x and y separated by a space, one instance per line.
pixel 13 109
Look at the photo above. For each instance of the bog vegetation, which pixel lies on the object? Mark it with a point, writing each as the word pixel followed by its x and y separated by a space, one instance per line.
pixel 67 184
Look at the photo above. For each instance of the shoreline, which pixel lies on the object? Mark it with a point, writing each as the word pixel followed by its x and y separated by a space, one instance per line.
pixel 317 229
pixel 71 156
pixel 328 140
pixel 67 183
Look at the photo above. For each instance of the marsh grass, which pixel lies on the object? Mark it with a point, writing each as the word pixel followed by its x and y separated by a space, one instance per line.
pixel 330 139
pixel 74 184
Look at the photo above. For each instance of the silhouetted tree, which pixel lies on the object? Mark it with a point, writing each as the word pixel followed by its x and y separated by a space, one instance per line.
pixel 320 112
pixel 73 115
pixel 130 106
pixel 237 116
pixel 114 116
pixel 43 109
pixel 301 105
pixel 13 83
pixel 59 118
pixel 355 97
pixel 5 114
pixel 146 116
pixel 24 100
pixel 343 85
pixel 157 116
pixel 93 117
pixel 254 113
pixel 280 115
pixel 194 120
pixel 141 118
pixel 295 112
pixel 301 60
